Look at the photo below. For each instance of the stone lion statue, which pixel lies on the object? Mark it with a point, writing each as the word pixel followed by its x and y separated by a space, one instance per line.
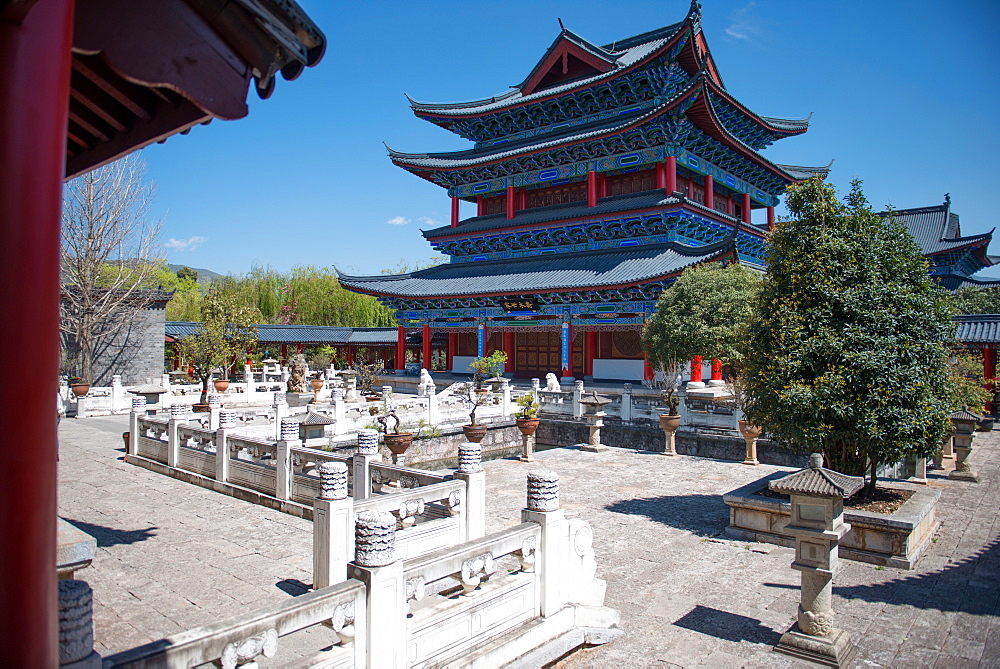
pixel 426 386
pixel 297 378
pixel 552 383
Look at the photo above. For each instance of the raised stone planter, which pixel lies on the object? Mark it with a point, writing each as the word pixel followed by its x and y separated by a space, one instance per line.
pixel 895 540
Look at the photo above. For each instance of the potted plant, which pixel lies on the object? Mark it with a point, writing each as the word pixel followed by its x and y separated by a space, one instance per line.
pixel 489 368
pixel 527 416
pixel 367 373
pixel 221 385
pixel 79 387
pixel 473 398
pixel 397 442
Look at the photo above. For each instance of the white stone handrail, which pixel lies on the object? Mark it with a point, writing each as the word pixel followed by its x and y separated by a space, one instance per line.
pixel 305 459
pixel 260 631
pixel 451 493
pixel 255 448
pixel 196 437
pixel 388 473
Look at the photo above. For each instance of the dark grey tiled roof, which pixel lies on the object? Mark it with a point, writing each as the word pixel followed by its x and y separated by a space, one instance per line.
pixel 978 329
pixel 315 418
pixel 953 282
pixel 575 271
pixel 557 212
pixel 299 334
pixel 802 173
pixel 964 414
pixel 936 229
pixel 818 482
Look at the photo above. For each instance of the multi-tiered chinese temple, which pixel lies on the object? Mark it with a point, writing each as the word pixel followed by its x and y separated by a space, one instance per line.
pixel 596 182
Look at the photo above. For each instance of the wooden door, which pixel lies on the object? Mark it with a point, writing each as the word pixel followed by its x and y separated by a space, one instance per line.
pixel 537 354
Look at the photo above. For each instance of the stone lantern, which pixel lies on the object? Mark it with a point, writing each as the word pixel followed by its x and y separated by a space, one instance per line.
pixel 817 523
pixel 152 394
pixel 965 423
pixel 595 421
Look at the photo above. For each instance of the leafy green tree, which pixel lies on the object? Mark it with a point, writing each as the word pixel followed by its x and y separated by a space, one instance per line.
pixel 976 301
pixel 850 353
pixel 227 331
pixel 706 312
pixel 967 382
pixel 187 273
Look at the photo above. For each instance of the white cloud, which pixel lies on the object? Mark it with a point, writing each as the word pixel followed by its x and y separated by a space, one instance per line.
pixel 402 220
pixel 745 25
pixel 190 244
pixel 398 220
pixel 427 220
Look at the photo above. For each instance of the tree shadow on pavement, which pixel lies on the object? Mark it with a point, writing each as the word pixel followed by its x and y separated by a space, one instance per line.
pixel 109 536
pixel 703 515
pixel 292 586
pixel 728 626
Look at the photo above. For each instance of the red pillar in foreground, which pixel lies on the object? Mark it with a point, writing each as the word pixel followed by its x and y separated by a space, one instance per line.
pixel 454 212
pixel 770 219
pixel 696 369
pixel 508 348
pixel 671 170
pixel 746 207
pixel 589 351
pixel 34 102
pixel 400 348
pixel 425 360
pixel 511 209
pixel 591 188
pixel 647 369
pixel 709 191
pixel 716 369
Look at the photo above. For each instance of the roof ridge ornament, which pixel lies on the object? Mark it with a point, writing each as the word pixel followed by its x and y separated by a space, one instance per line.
pixel 694 13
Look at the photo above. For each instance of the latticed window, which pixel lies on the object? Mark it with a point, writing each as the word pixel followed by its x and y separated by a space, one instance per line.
pixel 633 182
pixel 494 205
pixel 542 197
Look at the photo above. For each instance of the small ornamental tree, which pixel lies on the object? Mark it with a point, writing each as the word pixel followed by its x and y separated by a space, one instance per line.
pixel 850 353
pixel 227 331
pixel 705 312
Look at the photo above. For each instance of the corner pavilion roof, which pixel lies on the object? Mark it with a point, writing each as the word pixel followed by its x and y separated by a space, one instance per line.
pixel 543 273
pixel 936 229
pixel 978 328
pixel 818 481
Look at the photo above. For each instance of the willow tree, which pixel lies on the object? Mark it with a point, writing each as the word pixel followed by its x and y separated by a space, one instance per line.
pixel 849 355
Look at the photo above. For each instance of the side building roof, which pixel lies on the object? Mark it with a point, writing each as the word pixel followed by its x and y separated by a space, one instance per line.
pixel 936 229
pixel 978 328
pixel 299 334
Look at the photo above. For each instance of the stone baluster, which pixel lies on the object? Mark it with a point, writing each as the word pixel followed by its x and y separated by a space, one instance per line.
pixel 626 405
pixel 433 413
pixel 506 405
pixel 919 471
pixel 138 409
pixel 280 411
pixel 117 394
pixel 76 625
pixel 351 389
pixel 227 423
pixel 376 566
pixel 366 454
pixel 536 385
pixel 177 415
pixel 333 526
pixel 337 403
pixel 578 409
pixel 214 407
pixel 283 451
pixel 251 388
pixel 543 508
pixel 470 470
pixel 167 398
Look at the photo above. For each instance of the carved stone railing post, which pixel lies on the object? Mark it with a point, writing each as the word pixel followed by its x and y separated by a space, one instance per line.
pixel 536 385
pixel 283 452
pixel 626 404
pixel 214 407
pixel 506 406
pixel 177 416
pixel 376 566
pixel 337 404
pixel 470 470
pixel 578 408
pixel 433 412
pixel 227 422
pixel 76 625
pixel 366 454
pixel 167 398
pixel 251 389
pixel 280 411
pixel 117 394
pixel 138 409
pixel 543 508
pixel 333 526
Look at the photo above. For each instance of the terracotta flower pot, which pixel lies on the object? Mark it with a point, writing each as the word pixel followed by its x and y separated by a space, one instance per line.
pixel 397 444
pixel 527 426
pixel 317 384
pixel 221 385
pixel 80 389
pixel 748 430
pixel 474 433
pixel 669 422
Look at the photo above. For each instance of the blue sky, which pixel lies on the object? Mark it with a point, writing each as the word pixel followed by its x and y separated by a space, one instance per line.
pixel 904 95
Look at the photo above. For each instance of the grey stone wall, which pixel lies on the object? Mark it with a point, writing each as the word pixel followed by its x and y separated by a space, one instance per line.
pixel 502 439
pixel 651 438
pixel 136 352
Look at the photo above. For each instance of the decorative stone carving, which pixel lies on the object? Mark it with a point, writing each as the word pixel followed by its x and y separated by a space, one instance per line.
pixel 214 401
pixel 470 458
pixel 297 381
pixel 408 511
pixel 76 622
pixel 343 623
pixel 453 502
pixel 333 480
pixel 552 383
pixel 526 555
pixel 375 539
pixel 237 653
pixel 227 419
pixel 426 387
pixel 583 540
pixel 408 482
pixel 138 403
pixel 177 412
pixel 475 570
pixel 368 442
pixel 543 490
pixel 279 398
pixel 337 395
pixel 815 623
pixel 416 589
pixel 289 429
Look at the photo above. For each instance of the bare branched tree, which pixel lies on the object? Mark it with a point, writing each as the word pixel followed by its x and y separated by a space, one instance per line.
pixel 110 249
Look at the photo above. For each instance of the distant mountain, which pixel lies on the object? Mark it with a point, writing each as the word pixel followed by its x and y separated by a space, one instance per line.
pixel 205 276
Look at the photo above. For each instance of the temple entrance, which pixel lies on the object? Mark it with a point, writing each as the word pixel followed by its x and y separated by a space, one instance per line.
pixel 537 354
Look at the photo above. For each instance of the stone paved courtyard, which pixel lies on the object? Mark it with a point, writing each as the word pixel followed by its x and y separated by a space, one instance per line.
pixel 172 556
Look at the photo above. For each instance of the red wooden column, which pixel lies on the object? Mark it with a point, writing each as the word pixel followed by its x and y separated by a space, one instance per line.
pixel 522 199
pixel 511 208
pixel 350 355
pixel 671 174
pixel 425 341
pixel 400 349
pixel 709 191
pixel 591 188
pixel 661 176
pixel 452 344
pixel 454 212
pixel 647 369
pixel 746 207
pixel 770 219
pixel 990 373
pixel 716 369
pixel 602 186
pixel 508 348
pixel 589 349
pixel 689 191
pixel 696 369
pixel 34 102
pixel 284 354
pixel 298 348
pixel 479 205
